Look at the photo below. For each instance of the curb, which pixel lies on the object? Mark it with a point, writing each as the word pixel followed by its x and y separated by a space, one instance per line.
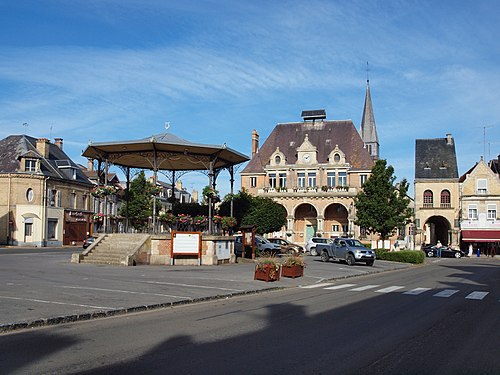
pixel 10 327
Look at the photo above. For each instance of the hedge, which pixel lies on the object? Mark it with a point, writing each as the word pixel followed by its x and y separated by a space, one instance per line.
pixel 403 256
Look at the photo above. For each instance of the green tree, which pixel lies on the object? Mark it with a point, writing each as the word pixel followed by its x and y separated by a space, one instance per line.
pixel 267 215
pixel 140 203
pixel 241 204
pixel 382 206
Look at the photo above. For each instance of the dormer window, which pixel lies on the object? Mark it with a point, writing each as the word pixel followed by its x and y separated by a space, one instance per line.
pixel 30 165
pixel 336 158
pixel 277 159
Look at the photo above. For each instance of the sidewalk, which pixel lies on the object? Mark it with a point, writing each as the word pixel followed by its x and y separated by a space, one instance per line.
pixel 44 289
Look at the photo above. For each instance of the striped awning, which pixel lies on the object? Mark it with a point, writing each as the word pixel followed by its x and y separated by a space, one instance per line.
pixel 481 235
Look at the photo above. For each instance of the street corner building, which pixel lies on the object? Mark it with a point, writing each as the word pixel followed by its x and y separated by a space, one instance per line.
pixel 45 195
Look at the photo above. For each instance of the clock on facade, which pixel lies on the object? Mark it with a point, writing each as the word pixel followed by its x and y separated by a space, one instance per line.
pixel 306 158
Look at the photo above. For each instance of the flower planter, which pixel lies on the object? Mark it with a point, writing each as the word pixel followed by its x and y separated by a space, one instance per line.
pixel 266 273
pixel 292 271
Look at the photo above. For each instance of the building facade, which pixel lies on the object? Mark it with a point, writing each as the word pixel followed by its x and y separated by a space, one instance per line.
pixel 46 199
pixel 479 203
pixel 437 193
pixel 314 169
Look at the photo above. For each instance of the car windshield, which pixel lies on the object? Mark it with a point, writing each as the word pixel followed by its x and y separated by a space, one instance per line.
pixel 354 243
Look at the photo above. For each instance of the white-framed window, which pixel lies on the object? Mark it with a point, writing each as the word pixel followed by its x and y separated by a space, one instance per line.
pixel 85 201
pixel 253 182
pixel 362 179
pixel 482 185
pixel 30 165
pixel 282 179
pixel 301 179
pixel 335 227
pixel 30 195
pixel 472 212
pixel 311 179
pixel 272 180
pixel 342 178
pixel 330 179
pixel 492 211
pixel 72 200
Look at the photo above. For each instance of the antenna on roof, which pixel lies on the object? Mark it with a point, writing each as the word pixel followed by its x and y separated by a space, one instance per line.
pixel 367 72
pixel 50 134
pixel 25 124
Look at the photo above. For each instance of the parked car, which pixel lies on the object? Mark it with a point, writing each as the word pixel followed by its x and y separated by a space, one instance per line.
pixel 263 246
pixel 446 251
pixel 287 246
pixel 88 241
pixel 311 244
pixel 346 249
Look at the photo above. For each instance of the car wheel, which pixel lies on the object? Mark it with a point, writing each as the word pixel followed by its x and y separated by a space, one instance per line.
pixel 430 254
pixel 458 255
pixel 350 260
pixel 313 251
pixel 324 256
pixel 369 263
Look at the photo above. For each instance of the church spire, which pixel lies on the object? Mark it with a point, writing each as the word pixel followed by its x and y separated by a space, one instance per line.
pixel 368 128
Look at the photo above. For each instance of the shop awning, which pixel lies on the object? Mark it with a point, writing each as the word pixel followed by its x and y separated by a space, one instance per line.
pixel 481 235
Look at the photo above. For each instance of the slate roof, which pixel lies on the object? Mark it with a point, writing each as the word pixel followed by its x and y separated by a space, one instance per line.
pixel 15 146
pixel 325 135
pixel 435 159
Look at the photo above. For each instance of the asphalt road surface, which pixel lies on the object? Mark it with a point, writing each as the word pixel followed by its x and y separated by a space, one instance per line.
pixel 443 318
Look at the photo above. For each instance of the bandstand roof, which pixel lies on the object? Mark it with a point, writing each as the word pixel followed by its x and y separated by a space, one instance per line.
pixel 164 152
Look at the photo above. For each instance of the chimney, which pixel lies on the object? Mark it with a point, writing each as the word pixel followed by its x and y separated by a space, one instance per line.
pixel 43 146
pixel 90 164
pixel 59 142
pixel 178 185
pixel 449 139
pixel 255 142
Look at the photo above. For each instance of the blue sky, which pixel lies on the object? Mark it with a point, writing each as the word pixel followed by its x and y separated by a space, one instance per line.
pixel 105 70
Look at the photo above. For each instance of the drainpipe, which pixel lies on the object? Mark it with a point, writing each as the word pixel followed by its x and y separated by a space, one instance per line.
pixel 44 211
pixel 8 211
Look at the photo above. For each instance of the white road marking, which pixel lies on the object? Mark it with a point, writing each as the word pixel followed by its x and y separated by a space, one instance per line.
pixel 446 293
pixel 366 287
pixel 56 303
pixel 477 295
pixel 320 285
pixel 342 286
pixel 120 291
pixel 389 289
pixel 417 291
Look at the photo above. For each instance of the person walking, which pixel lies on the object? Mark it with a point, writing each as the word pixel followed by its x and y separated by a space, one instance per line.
pixel 471 250
pixel 439 245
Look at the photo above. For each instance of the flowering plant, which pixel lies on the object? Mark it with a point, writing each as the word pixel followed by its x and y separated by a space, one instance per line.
pixel 269 263
pixel 98 217
pixel 210 192
pixel 293 260
pixel 217 219
pixel 200 220
pixel 184 219
pixel 167 217
pixel 228 222
pixel 102 191
pixel 155 190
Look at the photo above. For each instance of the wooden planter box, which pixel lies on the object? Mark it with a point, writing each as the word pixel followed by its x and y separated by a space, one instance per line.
pixel 292 271
pixel 266 273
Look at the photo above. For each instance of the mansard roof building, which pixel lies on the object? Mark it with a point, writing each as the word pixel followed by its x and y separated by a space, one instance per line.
pixel 314 168
pixel 46 195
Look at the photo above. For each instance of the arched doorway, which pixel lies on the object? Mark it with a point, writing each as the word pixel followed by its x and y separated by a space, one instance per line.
pixel 306 222
pixel 336 221
pixel 437 228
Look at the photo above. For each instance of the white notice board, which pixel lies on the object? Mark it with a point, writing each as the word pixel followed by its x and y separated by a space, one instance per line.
pixel 186 243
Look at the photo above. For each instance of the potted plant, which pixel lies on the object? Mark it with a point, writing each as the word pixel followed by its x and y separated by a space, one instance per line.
pixel 293 266
pixel 267 269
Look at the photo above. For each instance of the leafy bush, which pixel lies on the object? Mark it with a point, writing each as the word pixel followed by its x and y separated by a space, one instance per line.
pixel 403 256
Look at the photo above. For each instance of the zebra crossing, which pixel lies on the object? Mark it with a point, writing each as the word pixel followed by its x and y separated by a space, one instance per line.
pixel 375 288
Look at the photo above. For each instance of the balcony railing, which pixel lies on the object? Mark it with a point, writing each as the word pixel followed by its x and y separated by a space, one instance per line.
pixel 318 191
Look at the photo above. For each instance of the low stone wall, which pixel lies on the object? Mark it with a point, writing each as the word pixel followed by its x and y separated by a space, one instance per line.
pixel 214 250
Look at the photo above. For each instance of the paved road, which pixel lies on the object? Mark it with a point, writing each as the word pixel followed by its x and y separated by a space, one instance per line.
pixel 442 318
pixel 41 286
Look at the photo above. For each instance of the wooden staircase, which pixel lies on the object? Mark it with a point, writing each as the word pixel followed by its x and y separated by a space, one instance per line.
pixel 115 249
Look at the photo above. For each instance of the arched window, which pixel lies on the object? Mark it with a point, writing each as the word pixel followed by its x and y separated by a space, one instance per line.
pixel 445 199
pixel 428 198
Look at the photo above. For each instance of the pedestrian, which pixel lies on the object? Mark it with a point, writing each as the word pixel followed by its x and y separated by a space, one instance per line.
pixel 478 252
pixel 439 245
pixel 471 249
